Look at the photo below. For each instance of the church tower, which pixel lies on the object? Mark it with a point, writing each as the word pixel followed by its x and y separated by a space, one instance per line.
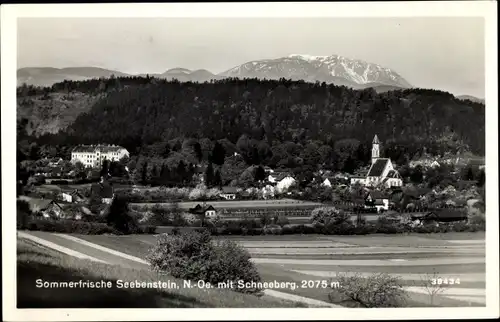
pixel 375 149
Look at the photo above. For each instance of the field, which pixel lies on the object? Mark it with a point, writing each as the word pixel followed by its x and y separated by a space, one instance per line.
pixel 304 259
pixel 240 204
pixel 35 262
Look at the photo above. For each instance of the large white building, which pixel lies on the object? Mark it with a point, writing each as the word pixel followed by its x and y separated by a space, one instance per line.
pixel 94 155
pixel 382 171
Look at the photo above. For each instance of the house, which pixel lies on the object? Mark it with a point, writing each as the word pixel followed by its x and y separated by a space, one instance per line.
pixel 207 211
pixel 48 208
pixel 104 190
pixel 283 182
pixel 425 163
pixel 328 182
pixel 94 155
pixel 229 193
pixel 378 200
pixel 268 170
pixel 74 196
pixel 77 196
pixel 441 215
pixel 66 197
pixel 381 172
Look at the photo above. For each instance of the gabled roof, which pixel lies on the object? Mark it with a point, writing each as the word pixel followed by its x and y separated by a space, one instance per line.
pixel 40 204
pixel 199 209
pixel 94 148
pixel 378 167
pixel 278 176
pixel 375 194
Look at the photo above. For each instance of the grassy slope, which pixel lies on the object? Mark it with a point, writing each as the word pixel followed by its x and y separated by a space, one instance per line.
pixel 35 262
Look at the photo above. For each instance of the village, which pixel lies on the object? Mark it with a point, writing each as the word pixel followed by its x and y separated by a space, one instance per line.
pixel 377 190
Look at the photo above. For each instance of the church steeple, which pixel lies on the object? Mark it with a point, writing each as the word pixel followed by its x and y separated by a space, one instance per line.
pixel 375 149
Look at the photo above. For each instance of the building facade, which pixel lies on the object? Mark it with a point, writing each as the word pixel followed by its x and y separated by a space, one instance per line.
pixel 94 155
pixel 381 172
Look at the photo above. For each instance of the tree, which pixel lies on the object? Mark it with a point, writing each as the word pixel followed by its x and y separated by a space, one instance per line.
pixel 481 178
pixel 217 178
pixel 119 218
pixel 432 285
pixel 218 154
pixel 374 291
pixel 104 169
pixel 209 175
pixel 260 174
pixel 416 175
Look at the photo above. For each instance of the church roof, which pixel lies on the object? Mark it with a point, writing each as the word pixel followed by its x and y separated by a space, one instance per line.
pixel 375 139
pixel 378 167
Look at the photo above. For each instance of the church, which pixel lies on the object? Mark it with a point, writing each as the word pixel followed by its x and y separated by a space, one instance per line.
pixel 381 172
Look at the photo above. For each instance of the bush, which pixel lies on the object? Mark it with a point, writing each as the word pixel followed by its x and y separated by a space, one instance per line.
pixel 281 220
pixel 70 227
pixel 193 256
pixel 329 215
pixel 23 214
pixel 375 291
pixel 272 230
pixel 120 219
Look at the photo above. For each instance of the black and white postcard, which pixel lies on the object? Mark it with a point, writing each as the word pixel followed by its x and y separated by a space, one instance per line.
pixel 254 160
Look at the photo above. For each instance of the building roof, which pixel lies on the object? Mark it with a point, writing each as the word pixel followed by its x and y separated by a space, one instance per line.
pixel 447 214
pixel 199 209
pixel 278 176
pixel 375 194
pixel 100 147
pixel 378 167
pixel 39 204
pixel 375 139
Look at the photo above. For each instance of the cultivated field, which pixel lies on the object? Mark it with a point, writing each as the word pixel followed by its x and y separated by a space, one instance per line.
pixel 282 203
pixel 299 259
pixel 35 262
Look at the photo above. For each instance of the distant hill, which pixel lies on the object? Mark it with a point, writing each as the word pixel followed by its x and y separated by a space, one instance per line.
pixel 353 73
pixel 47 76
pixel 471 98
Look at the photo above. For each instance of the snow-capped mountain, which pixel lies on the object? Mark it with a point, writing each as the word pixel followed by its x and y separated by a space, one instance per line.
pixel 331 69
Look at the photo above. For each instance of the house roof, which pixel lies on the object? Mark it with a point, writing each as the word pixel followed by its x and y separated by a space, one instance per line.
pixel 447 214
pixel 278 176
pixel 229 190
pixel 77 193
pixel 103 189
pixel 375 194
pixel 94 148
pixel 40 204
pixel 378 167
pixel 199 209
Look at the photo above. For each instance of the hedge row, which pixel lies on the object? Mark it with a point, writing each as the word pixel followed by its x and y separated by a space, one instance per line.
pixel 346 229
pixel 78 227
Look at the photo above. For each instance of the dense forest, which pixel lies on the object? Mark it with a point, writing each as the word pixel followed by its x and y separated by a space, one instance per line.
pixel 283 124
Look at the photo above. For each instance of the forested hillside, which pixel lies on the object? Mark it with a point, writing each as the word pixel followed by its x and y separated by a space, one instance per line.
pixel 279 123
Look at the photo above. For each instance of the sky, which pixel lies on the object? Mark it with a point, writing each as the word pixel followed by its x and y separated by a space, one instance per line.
pixel 440 53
